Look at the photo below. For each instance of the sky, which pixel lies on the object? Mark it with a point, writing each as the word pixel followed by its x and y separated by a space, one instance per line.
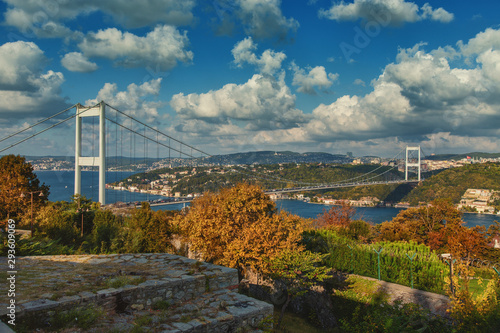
pixel 225 76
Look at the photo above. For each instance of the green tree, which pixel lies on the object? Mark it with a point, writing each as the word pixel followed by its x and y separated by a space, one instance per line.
pixel 299 271
pixel 17 177
pixel 145 231
pixel 105 230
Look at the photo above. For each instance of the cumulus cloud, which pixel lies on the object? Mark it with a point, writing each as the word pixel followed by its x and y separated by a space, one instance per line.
pixel 77 62
pixel 418 95
pixel 48 18
pixel 316 77
pixel 394 12
pixel 439 14
pixel 263 102
pixel 268 63
pixel 483 41
pixel 259 18
pixel 161 48
pixel 25 90
pixel 135 101
pixel 359 82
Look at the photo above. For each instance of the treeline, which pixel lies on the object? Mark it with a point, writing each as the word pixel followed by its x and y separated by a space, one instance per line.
pixel 80 226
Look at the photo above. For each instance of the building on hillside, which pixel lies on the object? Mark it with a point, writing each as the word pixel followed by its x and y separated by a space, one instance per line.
pixel 477 199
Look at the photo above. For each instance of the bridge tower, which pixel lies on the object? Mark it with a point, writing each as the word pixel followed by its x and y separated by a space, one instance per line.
pixel 100 161
pixel 410 160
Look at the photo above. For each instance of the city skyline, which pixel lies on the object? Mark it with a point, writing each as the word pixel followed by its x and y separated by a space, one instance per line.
pixel 232 76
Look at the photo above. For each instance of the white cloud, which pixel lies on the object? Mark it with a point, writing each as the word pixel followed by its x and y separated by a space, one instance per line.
pixel 394 12
pixel 268 63
pixel 263 102
pixel 264 19
pixel 135 101
pixel 483 41
pixel 25 90
pixel 359 82
pixel 316 77
pixel 19 62
pixel 439 14
pixel 47 18
pixel 161 48
pixel 420 94
pixel 77 62
pixel 258 18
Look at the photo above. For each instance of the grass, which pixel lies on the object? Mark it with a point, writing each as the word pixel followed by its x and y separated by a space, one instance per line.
pixel 477 287
pixel 293 323
pixel 81 318
pixel 120 281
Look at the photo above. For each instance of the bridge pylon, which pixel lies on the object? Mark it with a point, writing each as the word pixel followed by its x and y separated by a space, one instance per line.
pixel 410 161
pixel 96 111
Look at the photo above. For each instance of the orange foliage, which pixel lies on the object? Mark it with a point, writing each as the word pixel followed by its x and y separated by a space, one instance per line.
pixel 240 227
pixel 336 217
pixel 439 226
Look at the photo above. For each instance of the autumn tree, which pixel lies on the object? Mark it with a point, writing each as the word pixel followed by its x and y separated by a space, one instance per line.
pixel 336 217
pixel 240 227
pixel 17 177
pixel 439 226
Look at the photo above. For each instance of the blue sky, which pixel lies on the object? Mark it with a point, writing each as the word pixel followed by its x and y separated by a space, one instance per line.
pixel 369 77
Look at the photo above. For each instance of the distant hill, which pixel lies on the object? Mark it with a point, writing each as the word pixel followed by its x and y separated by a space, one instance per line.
pixel 452 183
pixel 274 157
pixel 475 155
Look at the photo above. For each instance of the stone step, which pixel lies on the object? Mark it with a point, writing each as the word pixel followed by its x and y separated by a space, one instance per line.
pixel 218 311
pixel 117 283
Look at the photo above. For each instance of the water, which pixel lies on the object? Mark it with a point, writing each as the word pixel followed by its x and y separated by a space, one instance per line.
pixel 372 214
pixel 62 188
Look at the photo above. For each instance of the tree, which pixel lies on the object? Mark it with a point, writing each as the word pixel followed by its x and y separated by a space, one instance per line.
pixel 105 228
pixel 240 227
pixel 17 177
pixel 145 231
pixel 299 271
pixel 336 217
pixel 422 224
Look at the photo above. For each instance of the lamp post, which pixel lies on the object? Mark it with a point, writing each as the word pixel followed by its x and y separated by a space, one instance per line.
pixel 31 193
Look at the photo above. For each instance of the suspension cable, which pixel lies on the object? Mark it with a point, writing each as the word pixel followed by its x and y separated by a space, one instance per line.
pixel 38 123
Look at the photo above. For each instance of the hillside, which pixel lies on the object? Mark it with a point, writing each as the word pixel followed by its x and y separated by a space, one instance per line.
pixel 456 157
pixel 452 183
pixel 274 157
pixel 188 180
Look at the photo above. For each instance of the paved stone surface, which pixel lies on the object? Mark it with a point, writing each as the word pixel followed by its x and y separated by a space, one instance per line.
pixel 128 287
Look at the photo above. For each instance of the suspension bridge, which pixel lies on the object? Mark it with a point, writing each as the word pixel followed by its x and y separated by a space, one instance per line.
pixel 107 138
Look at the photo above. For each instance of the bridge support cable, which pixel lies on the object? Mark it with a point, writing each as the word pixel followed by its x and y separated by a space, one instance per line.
pixel 150 139
pixel 36 124
pixel 41 131
pixel 161 133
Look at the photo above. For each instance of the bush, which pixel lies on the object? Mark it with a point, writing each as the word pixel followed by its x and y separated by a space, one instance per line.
pixel 349 256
